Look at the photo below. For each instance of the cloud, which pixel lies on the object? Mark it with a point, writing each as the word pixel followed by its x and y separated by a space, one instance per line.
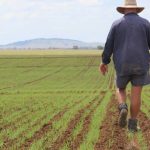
pixel 27 9
pixel 33 9
pixel 89 2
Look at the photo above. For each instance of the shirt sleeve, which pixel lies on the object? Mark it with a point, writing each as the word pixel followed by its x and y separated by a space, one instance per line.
pixel 109 46
pixel 148 38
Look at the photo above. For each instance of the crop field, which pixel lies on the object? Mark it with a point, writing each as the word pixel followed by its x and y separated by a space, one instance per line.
pixel 60 101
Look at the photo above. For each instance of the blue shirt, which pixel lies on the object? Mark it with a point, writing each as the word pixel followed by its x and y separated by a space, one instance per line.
pixel 129 42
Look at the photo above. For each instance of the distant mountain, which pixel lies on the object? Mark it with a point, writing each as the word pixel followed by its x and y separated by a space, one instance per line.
pixel 53 43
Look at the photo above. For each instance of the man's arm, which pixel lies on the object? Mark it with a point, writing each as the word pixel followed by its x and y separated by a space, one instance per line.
pixel 108 50
pixel 148 37
pixel 109 46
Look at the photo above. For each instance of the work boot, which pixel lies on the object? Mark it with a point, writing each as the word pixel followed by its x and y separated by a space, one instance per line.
pixel 123 112
pixel 132 125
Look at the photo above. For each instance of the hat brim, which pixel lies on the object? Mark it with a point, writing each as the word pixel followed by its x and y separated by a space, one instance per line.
pixel 123 8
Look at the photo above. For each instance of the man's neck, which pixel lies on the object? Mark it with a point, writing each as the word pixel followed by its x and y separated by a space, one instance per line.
pixel 130 12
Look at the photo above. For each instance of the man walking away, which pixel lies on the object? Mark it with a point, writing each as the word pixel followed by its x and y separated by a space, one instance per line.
pixel 129 42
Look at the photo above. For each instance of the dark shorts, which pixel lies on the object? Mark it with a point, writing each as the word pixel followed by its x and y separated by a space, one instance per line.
pixel 135 80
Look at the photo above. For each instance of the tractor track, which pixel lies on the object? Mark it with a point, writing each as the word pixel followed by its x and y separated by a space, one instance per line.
pixel 58 143
pixel 111 136
pixel 33 81
pixel 43 78
pixel 32 68
pixel 78 75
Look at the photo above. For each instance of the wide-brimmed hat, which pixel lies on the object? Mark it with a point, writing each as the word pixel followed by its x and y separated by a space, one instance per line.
pixel 129 4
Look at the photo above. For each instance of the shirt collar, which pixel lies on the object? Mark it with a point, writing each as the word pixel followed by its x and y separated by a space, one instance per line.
pixel 131 13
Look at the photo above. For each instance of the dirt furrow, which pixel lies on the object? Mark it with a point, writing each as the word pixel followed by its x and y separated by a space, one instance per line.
pixel 111 136
pixel 41 132
pixel 38 134
pixel 71 125
pixel 23 116
pixel 74 145
pixel 144 122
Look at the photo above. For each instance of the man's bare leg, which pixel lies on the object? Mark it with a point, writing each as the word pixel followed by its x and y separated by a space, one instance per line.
pixel 121 95
pixel 123 108
pixel 135 101
pixel 135 107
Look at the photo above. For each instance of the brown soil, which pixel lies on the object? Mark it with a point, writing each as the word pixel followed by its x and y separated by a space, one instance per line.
pixel 74 145
pixel 41 132
pixel 37 135
pixel 144 122
pixel 57 144
pixel 111 137
pixel 22 116
pixel 47 127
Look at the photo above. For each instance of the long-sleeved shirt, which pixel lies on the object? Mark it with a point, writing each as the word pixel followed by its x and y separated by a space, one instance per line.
pixel 129 42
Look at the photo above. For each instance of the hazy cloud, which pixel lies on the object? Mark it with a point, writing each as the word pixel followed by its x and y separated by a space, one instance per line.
pixel 90 2
pixel 87 20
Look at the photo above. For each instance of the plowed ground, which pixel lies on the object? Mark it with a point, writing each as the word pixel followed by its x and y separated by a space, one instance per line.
pixel 55 102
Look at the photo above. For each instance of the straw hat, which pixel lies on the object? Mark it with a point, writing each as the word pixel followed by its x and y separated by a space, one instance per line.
pixel 129 4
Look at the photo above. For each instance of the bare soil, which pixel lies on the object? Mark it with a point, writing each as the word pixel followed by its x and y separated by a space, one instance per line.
pixel 144 123
pixel 70 127
pixel 111 136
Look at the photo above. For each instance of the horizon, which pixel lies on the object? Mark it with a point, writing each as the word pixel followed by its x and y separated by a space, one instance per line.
pixel 53 38
pixel 82 20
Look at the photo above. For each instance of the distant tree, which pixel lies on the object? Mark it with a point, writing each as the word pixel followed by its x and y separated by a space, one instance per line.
pixel 75 47
pixel 100 47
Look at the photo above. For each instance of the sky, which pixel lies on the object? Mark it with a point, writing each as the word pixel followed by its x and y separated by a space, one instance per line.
pixel 85 20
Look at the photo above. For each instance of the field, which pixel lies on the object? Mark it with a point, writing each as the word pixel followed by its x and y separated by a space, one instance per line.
pixel 59 100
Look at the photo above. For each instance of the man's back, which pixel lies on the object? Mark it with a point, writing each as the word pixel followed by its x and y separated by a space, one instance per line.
pixel 131 43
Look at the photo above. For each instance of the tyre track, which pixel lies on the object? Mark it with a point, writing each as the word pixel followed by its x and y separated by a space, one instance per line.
pixel 57 144
pixel 33 68
pixel 111 136
pixel 33 81
pixel 78 75
pixel 42 78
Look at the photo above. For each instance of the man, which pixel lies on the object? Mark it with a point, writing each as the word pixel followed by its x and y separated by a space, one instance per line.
pixel 129 42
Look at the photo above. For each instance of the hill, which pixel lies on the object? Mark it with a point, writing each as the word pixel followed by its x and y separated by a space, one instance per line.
pixel 53 43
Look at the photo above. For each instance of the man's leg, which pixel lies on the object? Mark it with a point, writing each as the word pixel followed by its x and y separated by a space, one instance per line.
pixel 121 95
pixel 135 101
pixel 123 109
pixel 135 107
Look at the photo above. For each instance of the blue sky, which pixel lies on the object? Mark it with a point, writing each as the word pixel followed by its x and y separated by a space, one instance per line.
pixel 86 20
